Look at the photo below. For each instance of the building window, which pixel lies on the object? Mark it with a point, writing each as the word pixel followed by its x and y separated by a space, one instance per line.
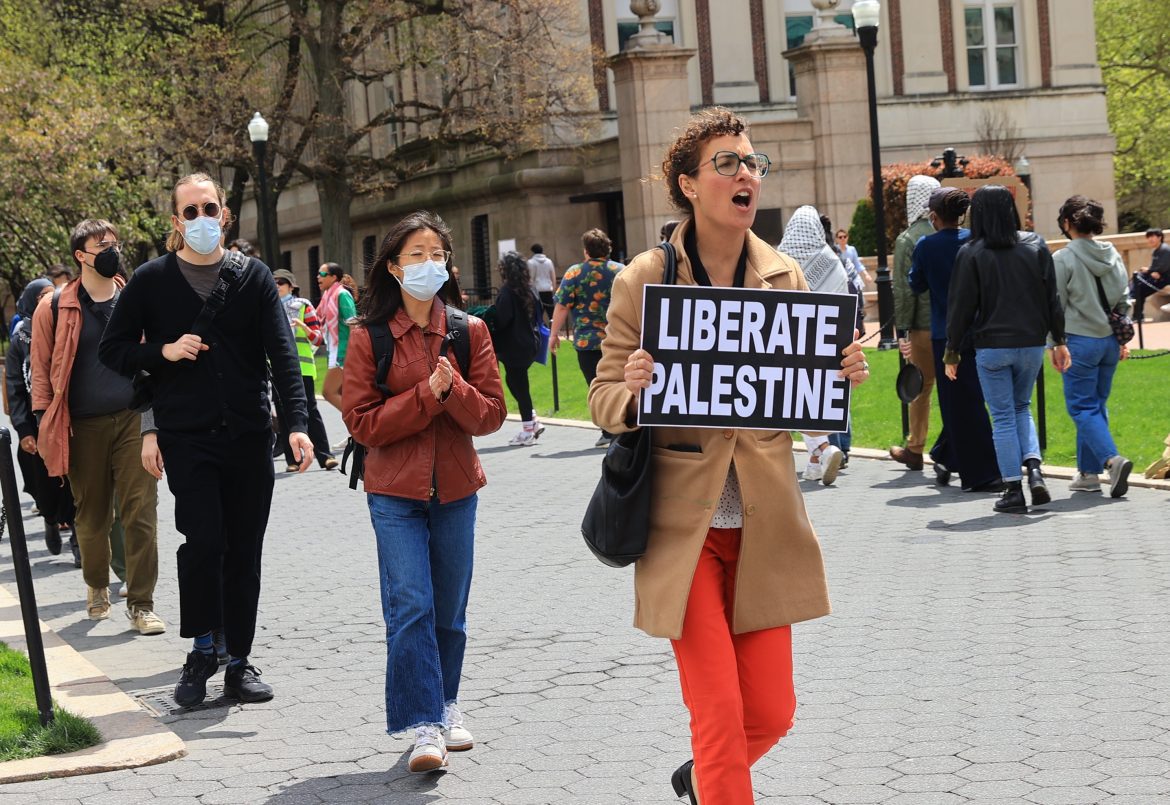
pixel 369 252
pixel 993 51
pixel 314 267
pixel 797 27
pixel 481 257
pixel 627 29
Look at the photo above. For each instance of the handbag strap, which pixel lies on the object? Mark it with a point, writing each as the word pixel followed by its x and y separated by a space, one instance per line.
pixel 229 276
pixel 670 272
pixel 1101 295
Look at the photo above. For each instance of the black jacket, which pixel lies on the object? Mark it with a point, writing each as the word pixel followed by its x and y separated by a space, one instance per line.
pixel 1004 297
pixel 19 399
pixel 228 384
pixel 514 336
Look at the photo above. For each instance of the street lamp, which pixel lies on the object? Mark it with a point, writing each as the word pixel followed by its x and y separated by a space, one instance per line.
pixel 265 220
pixel 1023 169
pixel 866 16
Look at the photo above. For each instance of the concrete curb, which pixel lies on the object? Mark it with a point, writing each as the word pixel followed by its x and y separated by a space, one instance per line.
pixel 1068 473
pixel 131 737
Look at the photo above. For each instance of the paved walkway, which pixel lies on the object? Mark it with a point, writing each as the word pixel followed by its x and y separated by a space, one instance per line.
pixel 971 658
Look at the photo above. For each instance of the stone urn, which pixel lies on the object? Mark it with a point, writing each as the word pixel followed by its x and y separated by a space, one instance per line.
pixel 647 33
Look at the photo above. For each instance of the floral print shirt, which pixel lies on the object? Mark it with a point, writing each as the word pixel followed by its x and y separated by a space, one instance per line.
pixel 585 291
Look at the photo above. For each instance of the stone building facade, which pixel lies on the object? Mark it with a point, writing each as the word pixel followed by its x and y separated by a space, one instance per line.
pixel 949 73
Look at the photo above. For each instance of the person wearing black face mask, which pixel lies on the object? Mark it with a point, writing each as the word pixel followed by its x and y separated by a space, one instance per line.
pixel 87 432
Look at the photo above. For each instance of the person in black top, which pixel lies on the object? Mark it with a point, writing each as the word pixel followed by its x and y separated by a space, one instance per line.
pixel 1003 295
pixel 213 426
pixel 518 314
pixel 1151 278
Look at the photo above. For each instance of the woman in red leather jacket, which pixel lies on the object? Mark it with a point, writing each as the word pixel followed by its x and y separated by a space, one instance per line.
pixel 421 476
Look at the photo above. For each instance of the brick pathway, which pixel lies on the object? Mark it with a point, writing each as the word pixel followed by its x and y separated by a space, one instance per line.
pixel 971 658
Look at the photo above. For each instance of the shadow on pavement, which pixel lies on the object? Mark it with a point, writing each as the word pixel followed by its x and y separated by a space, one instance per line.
pixel 589 451
pixel 993 521
pixel 396 785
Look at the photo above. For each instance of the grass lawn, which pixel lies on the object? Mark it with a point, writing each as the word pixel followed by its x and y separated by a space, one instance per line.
pixel 21 733
pixel 1136 405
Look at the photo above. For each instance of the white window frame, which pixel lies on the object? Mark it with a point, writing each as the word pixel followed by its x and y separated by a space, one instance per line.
pixel 991 45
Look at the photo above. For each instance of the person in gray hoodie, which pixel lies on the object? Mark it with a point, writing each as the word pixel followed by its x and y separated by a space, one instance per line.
pixel 1091 278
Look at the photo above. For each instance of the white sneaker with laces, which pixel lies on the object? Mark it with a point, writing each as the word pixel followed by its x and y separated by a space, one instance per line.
pixel 429 752
pixel 456 737
pixel 1085 482
pixel 145 621
pixel 524 438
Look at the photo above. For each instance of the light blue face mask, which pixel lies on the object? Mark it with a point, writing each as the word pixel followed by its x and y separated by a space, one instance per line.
pixel 423 280
pixel 203 234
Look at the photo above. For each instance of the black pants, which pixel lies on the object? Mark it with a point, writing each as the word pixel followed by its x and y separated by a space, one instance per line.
pixel 516 378
pixel 965 445
pixel 1140 289
pixel 546 301
pixel 317 434
pixel 223 490
pixel 588 359
pixel 53 496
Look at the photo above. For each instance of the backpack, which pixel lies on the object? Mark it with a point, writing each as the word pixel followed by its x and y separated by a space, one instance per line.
pixel 383 344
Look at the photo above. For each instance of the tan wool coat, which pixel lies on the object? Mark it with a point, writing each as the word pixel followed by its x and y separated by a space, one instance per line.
pixel 780 578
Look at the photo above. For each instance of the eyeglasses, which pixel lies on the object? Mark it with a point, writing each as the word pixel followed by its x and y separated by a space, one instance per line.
pixel 418 256
pixel 727 164
pixel 210 209
pixel 101 246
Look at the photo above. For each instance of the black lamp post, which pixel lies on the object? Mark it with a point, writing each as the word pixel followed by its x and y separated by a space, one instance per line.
pixel 265 220
pixel 866 15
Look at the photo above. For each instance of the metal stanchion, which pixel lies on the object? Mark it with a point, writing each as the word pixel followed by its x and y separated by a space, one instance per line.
pixel 556 387
pixel 24 583
pixel 1041 416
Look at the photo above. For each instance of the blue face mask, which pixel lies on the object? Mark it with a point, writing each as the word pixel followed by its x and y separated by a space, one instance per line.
pixel 423 280
pixel 203 234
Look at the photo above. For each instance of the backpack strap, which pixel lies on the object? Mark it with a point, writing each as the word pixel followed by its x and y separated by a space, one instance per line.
pixel 230 276
pixel 55 306
pixel 383 344
pixel 458 338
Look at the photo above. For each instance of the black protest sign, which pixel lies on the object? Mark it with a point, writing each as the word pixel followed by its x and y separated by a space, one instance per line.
pixel 746 358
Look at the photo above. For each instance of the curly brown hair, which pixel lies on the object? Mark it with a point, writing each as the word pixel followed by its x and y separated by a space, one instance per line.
pixel 682 156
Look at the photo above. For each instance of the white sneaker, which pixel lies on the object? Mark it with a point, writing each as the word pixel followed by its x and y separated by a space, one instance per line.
pixel 831 460
pixel 455 735
pixel 813 471
pixel 1085 482
pixel 429 751
pixel 123 591
pixel 145 621
pixel 525 438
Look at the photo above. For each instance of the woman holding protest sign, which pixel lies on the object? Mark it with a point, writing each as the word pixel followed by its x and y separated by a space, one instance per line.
pixel 718 492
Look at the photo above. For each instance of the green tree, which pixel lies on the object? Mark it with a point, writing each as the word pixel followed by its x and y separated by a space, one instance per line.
pixel 1133 44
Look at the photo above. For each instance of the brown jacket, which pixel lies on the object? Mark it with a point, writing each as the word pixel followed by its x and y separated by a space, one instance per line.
pixel 51 368
pixel 414 441
pixel 780 578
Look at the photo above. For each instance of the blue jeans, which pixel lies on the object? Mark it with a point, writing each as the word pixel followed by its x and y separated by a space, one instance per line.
pixel 1007 376
pixel 425 555
pixel 1086 390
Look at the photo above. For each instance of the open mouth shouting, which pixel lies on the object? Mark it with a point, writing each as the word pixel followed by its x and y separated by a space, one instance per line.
pixel 742 199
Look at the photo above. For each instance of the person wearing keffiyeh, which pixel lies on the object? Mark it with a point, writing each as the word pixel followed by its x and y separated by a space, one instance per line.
pixel 804 242
pixel 912 317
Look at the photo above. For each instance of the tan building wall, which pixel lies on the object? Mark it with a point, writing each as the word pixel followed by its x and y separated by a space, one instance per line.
pixel 742 59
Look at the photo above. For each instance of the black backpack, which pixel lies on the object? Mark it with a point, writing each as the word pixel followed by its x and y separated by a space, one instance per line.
pixel 456 338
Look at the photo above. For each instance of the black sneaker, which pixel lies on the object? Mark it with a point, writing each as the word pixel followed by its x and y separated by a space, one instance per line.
pixel 76 550
pixel 192 687
pixel 220 642
pixel 242 681
pixel 52 537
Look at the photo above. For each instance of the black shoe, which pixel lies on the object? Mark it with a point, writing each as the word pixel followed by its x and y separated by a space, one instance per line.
pixel 942 476
pixel 219 640
pixel 1012 501
pixel 52 537
pixel 76 550
pixel 192 687
pixel 242 681
pixel 1038 488
pixel 995 486
pixel 681 780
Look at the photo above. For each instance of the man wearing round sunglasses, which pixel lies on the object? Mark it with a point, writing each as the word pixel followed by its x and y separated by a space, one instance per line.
pixel 214 428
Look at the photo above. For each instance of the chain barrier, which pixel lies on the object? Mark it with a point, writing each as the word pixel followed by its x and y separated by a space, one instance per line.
pixel 3 520
pixel 1161 354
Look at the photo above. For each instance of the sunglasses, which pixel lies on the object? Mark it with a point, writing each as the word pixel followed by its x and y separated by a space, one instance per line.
pixel 322 273
pixel 211 209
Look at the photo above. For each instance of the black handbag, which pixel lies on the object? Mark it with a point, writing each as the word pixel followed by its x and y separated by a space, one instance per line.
pixel 616 526
pixel 1120 323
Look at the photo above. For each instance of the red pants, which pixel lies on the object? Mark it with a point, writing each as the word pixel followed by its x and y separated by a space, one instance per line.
pixel 738 688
